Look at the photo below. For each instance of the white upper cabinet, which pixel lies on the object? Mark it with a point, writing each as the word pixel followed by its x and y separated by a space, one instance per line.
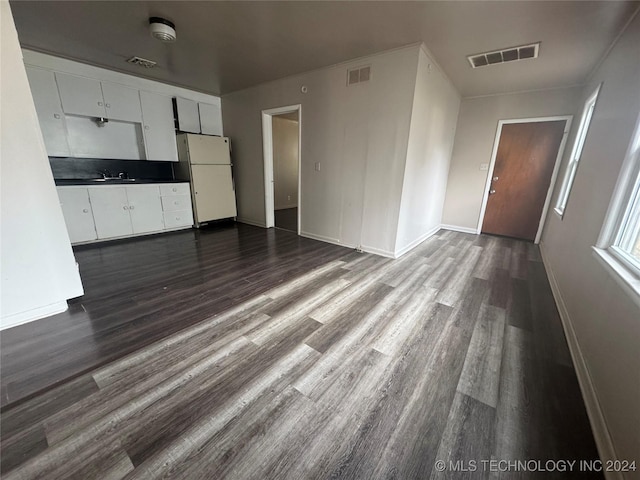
pixel 158 129
pixel 80 96
pixel 50 115
pixel 210 119
pixel 188 116
pixel 121 103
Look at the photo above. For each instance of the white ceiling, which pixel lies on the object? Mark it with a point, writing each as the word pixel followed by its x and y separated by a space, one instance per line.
pixel 227 46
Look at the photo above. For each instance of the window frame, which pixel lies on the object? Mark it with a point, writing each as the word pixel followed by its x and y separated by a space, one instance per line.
pixel 576 152
pixel 625 202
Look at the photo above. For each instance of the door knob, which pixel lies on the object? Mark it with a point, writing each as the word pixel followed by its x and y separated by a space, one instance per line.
pixel 492 191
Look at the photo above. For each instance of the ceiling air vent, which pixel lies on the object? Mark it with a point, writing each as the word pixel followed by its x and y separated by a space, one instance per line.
pixel 502 56
pixel 358 75
pixel 143 62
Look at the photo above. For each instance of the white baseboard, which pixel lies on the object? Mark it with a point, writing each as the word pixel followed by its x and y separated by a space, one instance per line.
pixel 417 241
pixel 32 315
pixel 601 434
pixel 455 228
pixel 378 251
pixel 322 238
pixel 250 222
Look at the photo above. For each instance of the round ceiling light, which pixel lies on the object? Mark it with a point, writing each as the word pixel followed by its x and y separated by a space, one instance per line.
pixel 162 29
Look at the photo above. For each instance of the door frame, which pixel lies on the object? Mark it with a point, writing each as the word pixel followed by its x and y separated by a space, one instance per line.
pixel 554 176
pixel 267 153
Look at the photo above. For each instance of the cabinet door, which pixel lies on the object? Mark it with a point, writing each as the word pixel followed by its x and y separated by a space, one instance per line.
pixel 80 96
pixel 110 211
pixel 210 119
pixel 159 132
pixel 145 208
pixel 50 115
pixel 188 117
pixel 213 192
pixel 122 103
pixel 78 216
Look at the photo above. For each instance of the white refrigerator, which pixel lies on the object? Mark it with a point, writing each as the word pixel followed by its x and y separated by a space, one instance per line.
pixel 206 161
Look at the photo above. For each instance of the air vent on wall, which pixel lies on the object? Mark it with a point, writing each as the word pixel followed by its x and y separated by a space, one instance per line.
pixel 358 75
pixel 143 62
pixel 512 54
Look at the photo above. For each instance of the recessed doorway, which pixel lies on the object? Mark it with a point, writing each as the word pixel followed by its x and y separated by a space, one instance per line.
pixel 522 174
pixel 281 143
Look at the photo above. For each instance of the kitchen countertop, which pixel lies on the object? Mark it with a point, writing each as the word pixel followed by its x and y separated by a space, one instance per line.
pixel 61 182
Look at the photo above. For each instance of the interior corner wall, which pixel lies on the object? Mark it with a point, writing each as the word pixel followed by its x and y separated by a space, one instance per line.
pixel 605 319
pixel 433 123
pixel 356 135
pixel 38 269
pixel 285 163
pixel 475 135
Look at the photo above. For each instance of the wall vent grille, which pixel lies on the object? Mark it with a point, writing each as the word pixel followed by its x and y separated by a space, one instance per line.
pixel 143 62
pixel 523 52
pixel 358 75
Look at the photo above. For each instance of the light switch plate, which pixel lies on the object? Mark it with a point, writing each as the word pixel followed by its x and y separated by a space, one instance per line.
pixel 317 166
pixel 484 167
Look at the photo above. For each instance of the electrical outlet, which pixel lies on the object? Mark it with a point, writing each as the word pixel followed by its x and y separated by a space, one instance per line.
pixel 288 197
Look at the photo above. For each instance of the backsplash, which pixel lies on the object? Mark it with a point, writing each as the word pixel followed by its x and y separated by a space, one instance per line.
pixel 80 168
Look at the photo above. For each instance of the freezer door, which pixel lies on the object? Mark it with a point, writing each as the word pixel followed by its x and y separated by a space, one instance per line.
pixel 206 150
pixel 213 192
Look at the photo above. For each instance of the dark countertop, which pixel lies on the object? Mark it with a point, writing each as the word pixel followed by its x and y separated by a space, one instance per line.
pixel 61 182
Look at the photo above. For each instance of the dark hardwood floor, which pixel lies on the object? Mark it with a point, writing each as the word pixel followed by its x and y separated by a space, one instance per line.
pixel 287 219
pixel 320 363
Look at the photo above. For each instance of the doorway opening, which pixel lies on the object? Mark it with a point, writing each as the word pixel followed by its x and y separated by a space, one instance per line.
pixel 522 173
pixel 281 148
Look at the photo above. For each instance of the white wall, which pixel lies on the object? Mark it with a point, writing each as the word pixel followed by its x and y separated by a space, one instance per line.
pixel 285 162
pixel 357 134
pixel 38 269
pixel 433 123
pixel 605 319
pixel 475 134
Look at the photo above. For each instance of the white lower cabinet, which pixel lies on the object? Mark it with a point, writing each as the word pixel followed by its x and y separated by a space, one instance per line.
pixel 145 208
pixel 116 211
pixel 110 211
pixel 78 215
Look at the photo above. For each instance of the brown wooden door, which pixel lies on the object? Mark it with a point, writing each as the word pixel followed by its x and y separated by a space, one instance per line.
pixel 524 164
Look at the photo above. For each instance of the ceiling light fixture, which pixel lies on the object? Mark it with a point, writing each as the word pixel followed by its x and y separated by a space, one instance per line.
pixel 162 29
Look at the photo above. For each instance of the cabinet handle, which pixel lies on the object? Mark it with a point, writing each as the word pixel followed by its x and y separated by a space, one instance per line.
pixel 108 105
pixel 146 127
pixel 56 115
pixel 100 104
pixel 131 207
pixel 125 208
pixel 176 203
pixel 85 210
pixel 175 189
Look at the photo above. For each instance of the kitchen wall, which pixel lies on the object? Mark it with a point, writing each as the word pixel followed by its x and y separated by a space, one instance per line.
pixel 602 319
pixel 38 269
pixel 475 134
pixel 433 123
pixel 285 162
pixel 354 145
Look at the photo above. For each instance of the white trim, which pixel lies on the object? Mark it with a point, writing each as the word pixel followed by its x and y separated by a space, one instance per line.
pixel 456 228
pixel 620 273
pixel 601 434
pixel 21 318
pixel 554 175
pixel 417 241
pixel 322 238
pixel 378 251
pixel 255 223
pixel 267 154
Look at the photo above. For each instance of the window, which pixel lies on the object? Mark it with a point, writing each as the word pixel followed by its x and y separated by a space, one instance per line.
pixel 576 153
pixel 619 242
